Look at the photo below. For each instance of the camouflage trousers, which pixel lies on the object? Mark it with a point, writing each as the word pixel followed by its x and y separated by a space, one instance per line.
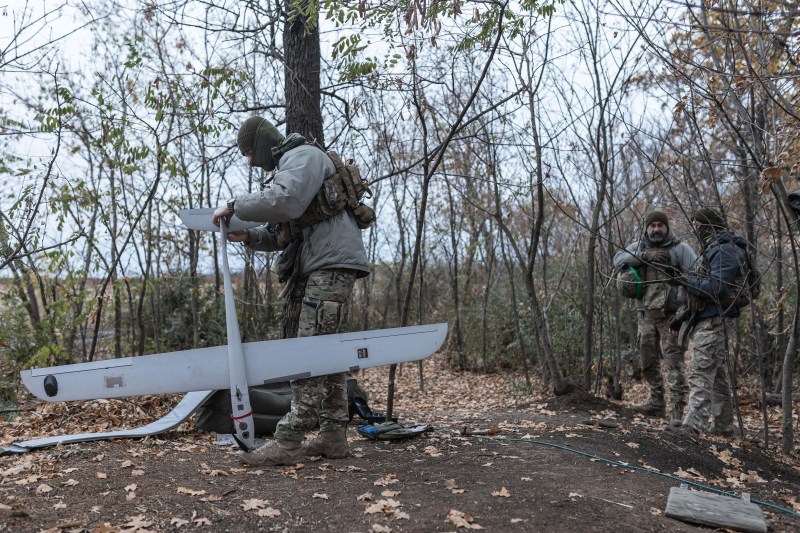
pixel 316 305
pixel 655 340
pixel 710 393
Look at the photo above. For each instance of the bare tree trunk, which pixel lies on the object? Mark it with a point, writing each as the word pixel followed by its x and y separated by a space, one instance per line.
pixel 301 73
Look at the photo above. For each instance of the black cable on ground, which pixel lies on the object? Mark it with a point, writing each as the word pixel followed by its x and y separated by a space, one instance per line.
pixel 634 467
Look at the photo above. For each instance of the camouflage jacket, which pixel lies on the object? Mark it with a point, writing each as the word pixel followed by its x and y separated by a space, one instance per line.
pixel 658 295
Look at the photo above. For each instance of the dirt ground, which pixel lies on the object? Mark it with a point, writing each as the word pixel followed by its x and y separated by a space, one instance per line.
pixel 573 463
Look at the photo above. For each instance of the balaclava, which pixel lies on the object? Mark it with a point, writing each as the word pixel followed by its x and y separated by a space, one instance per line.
pixel 261 136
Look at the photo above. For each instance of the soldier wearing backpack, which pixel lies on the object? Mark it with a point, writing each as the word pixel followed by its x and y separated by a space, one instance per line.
pixel 318 232
pixel 715 287
pixel 658 258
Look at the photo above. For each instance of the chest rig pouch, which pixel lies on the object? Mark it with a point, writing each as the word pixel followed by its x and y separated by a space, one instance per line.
pixel 342 190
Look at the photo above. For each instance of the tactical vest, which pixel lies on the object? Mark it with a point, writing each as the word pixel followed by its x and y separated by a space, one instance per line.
pixel 656 288
pixel 342 190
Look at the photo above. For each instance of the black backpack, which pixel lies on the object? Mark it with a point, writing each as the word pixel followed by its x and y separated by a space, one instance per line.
pixel 747 285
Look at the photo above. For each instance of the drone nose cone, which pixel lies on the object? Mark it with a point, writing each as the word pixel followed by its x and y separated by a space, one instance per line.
pixel 50 385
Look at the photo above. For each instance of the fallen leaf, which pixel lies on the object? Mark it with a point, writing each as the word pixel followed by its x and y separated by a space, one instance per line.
pixel 390 493
pixel 389 507
pixel 386 480
pixel 320 496
pixel 43 489
pixel 453 487
pixel 126 464
pixel 132 487
pixel 190 492
pixel 70 482
pixel 633 445
pixel 212 498
pixel 374 508
pixel 364 497
pixel 432 451
pixel 792 500
pixel 136 523
pixel 269 512
pixel 377 528
pixel 575 495
pixel 201 522
pixel 178 522
pixel 753 477
pixel 14 470
pixel 101 475
pixel 502 493
pixel 60 505
pixel 459 519
pixel 655 512
pixel 690 473
pixel 253 503
pixel 487 464
pixel 137 473
pixel 518 520
pixel 70 470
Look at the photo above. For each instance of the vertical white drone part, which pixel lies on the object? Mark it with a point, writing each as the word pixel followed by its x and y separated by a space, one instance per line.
pixel 242 413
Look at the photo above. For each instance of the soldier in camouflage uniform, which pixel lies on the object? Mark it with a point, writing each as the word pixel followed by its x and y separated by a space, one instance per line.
pixel 321 266
pixel 709 285
pixel 660 258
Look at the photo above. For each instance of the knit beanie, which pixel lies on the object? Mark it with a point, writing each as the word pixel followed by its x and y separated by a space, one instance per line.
pixel 261 136
pixel 656 216
pixel 709 216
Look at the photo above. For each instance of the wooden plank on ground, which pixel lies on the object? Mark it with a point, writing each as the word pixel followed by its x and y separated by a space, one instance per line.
pixel 715 510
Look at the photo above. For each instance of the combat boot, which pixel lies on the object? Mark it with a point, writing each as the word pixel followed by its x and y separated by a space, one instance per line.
pixel 654 406
pixel 685 431
pixel 274 453
pixel 329 444
pixel 725 430
pixel 676 413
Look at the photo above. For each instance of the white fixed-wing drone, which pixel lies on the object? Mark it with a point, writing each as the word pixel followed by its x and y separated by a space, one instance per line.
pixel 199 372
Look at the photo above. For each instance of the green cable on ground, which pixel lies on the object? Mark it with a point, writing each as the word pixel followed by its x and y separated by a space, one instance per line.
pixel 634 467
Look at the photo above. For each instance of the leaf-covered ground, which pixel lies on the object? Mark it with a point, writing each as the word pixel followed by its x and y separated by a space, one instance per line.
pixel 497 460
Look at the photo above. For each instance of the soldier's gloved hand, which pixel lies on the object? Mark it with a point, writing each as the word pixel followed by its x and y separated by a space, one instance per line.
pixel 656 255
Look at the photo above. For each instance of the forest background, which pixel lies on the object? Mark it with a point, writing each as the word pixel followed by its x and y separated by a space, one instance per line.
pixel 512 149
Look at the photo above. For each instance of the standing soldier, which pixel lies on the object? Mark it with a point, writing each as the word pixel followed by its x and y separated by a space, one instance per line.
pixel 659 258
pixel 322 255
pixel 711 288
